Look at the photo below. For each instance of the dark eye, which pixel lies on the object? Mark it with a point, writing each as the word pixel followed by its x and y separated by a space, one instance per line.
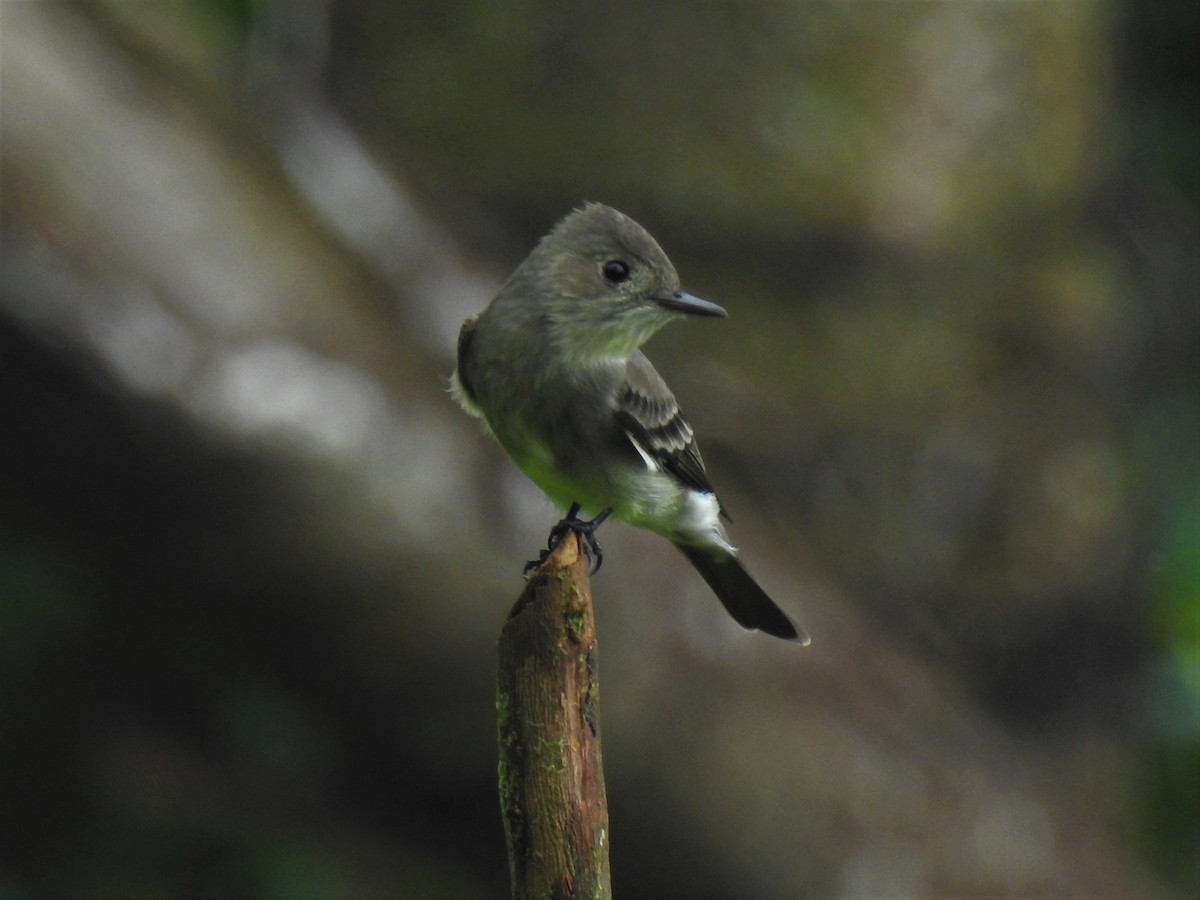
pixel 615 271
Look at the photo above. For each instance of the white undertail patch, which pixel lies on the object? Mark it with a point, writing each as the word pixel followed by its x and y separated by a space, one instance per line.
pixel 700 521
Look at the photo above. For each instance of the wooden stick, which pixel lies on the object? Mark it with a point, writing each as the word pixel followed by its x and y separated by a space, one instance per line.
pixel 551 777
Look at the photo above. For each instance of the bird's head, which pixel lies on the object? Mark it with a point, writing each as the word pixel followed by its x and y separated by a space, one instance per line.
pixel 604 285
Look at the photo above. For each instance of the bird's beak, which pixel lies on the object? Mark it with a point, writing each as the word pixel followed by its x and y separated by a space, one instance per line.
pixel 690 306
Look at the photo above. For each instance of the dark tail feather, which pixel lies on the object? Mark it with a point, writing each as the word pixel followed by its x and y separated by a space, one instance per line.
pixel 740 594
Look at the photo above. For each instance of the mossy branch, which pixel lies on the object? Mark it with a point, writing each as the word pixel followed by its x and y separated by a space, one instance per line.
pixel 551 777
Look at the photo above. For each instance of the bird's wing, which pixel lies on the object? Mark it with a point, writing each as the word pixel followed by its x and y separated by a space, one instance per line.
pixel 647 411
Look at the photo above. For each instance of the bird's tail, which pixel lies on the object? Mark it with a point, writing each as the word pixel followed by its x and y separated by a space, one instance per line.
pixel 740 594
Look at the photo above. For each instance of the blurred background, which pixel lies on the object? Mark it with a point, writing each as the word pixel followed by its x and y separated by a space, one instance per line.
pixel 254 561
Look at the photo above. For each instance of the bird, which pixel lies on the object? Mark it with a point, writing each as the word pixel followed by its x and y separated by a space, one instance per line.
pixel 554 369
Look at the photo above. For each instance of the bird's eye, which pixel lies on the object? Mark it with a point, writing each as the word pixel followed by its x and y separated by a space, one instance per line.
pixel 615 271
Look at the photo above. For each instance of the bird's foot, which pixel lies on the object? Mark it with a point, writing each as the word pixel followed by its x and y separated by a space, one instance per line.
pixel 587 536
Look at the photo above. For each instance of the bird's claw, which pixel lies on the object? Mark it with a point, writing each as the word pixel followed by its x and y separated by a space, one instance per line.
pixel 587 538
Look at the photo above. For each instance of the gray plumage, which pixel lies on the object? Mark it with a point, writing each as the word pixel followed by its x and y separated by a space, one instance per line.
pixel 553 368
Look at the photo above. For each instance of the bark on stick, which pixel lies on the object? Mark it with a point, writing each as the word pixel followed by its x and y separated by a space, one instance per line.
pixel 551 778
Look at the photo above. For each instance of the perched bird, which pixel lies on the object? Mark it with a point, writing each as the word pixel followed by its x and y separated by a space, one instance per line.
pixel 553 368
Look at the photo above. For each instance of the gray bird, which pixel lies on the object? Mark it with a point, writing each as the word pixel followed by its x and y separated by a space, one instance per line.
pixel 552 367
